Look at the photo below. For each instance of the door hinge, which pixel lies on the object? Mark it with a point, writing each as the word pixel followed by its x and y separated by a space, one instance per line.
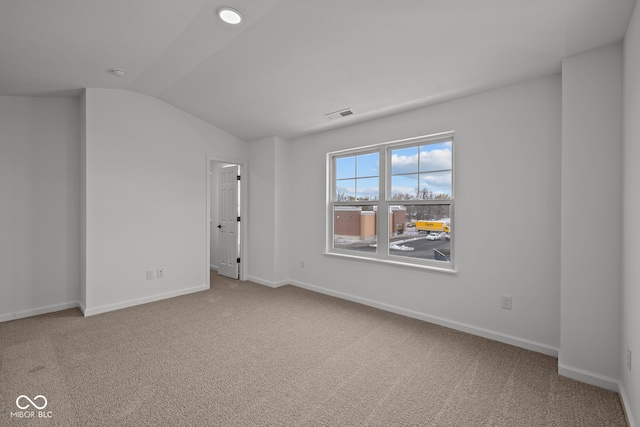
pixel 238 177
pixel 238 219
pixel 238 260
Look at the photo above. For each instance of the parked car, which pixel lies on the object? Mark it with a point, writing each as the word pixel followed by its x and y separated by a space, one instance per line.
pixel 447 236
pixel 433 236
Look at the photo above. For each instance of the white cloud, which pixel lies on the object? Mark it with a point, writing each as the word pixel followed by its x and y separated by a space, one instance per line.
pixel 403 190
pixel 439 159
pixel 371 192
pixel 435 160
pixel 436 179
pixel 404 164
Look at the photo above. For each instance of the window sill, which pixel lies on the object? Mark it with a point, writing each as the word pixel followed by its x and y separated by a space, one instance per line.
pixel 412 266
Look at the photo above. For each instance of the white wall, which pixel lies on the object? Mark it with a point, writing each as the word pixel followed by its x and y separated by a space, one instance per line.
pixel 40 199
pixel 507 185
pixel 270 203
pixel 146 178
pixel 591 205
pixel 283 207
pixel 83 202
pixel 261 204
pixel 631 249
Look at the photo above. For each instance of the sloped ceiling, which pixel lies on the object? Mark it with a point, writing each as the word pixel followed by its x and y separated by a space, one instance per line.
pixel 292 61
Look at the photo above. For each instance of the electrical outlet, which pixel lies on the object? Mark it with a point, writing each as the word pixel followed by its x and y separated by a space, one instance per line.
pixel 629 358
pixel 149 274
pixel 160 273
pixel 505 302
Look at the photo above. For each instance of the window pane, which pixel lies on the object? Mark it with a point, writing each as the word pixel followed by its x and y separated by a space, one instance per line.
pixel 415 215
pixel 404 187
pixel 357 177
pixel 435 157
pixel 345 190
pixel 404 160
pixel 345 167
pixel 354 228
pixel 435 185
pixel 367 189
pixel 368 165
pixel 426 232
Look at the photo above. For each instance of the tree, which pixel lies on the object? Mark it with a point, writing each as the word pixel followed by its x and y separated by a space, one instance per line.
pixel 401 196
pixel 341 194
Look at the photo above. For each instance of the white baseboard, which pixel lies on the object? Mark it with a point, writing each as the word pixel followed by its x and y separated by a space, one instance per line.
pixel 37 311
pixel 268 282
pixel 474 330
pixel 600 381
pixel 144 300
pixel 213 267
pixel 588 377
pixel 626 405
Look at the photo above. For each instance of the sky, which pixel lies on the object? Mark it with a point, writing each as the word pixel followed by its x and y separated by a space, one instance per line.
pixel 425 166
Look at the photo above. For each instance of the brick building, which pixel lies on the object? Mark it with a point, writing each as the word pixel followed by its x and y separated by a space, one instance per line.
pixel 352 223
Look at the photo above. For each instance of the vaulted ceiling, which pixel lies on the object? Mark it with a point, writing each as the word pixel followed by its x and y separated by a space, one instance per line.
pixel 290 62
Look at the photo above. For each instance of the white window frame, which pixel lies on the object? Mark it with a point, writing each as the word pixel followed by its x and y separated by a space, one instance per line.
pixel 382 255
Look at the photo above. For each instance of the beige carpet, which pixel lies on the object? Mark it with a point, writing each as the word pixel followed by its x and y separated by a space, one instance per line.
pixel 243 354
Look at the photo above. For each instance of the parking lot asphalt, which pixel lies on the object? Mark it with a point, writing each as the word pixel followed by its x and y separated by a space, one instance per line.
pixel 422 248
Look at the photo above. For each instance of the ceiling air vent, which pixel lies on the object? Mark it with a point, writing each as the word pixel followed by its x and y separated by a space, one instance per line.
pixel 339 114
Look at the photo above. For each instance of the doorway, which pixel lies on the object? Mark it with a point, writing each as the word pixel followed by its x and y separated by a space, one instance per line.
pixel 229 221
pixel 226 207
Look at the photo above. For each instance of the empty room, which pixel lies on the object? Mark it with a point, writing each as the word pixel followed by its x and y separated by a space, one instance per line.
pixel 319 212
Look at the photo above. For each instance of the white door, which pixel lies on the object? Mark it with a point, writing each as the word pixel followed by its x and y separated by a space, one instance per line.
pixel 229 224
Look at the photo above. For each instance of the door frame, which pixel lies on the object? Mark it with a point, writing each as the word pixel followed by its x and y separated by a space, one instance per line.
pixel 243 271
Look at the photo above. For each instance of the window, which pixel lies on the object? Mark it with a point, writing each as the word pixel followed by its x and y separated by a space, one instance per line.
pixel 393 202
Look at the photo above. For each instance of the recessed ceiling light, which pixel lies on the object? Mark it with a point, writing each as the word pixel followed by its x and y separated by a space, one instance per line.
pixel 229 15
pixel 118 72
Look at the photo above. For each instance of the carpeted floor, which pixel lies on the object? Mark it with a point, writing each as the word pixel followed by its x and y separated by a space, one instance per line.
pixel 243 354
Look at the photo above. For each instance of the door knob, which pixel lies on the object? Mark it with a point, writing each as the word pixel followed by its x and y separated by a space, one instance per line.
pixel 219 226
